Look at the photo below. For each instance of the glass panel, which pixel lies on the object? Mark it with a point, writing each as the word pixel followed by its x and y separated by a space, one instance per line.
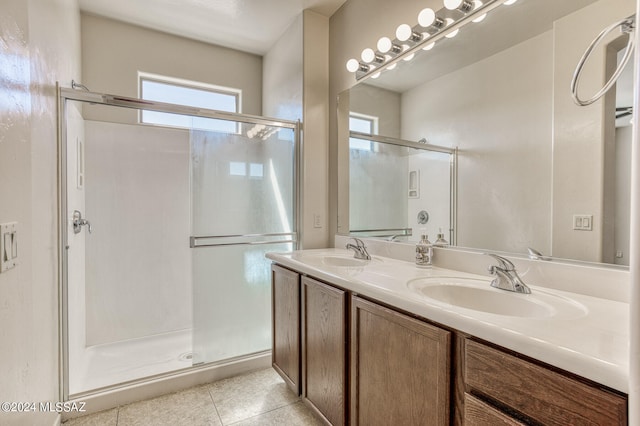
pixel 242 194
pixel 401 183
pixel 232 301
pixel 129 281
pixel 242 184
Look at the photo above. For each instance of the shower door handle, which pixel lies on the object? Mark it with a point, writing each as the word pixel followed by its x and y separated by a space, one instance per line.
pixel 79 222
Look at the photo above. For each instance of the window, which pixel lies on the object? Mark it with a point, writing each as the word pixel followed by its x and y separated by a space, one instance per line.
pixel 364 124
pixel 189 93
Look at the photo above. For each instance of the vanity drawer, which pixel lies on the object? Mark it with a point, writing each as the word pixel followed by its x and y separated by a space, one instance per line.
pixel 478 413
pixel 539 393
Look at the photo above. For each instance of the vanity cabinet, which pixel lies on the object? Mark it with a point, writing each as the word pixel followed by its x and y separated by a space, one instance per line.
pixel 358 361
pixel 285 311
pixel 531 392
pixel 399 368
pixel 324 350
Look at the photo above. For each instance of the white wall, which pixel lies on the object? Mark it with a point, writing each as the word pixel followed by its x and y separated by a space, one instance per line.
pixel 509 136
pixel 623 193
pixel 295 88
pixel 138 260
pixel 40 45
pixel 113 52
pixel 578 186
pixel 380 103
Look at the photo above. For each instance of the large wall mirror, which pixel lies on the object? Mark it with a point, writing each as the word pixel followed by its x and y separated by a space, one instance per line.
pixel 533 169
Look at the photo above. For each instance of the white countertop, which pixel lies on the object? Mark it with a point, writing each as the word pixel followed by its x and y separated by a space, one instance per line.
pixel 593 344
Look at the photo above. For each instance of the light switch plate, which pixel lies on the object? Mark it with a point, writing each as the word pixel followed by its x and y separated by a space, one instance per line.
pixel 8 246
pixel 583 222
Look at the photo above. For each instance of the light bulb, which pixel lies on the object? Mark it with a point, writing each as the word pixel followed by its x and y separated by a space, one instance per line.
pixel 461 5
pixel 353 65
pixel 384 44
pixel 368 55
pixel 429 46
pixel 409 57
pixel 403 33
pixel 480 18
pixel 375 75
pixel 426 17
pixel 509 2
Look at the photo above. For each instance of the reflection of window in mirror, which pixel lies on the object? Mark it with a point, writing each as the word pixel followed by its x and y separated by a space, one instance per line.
pixel 362 123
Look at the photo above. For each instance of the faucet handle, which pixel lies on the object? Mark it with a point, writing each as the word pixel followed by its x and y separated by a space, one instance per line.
pixel 505 264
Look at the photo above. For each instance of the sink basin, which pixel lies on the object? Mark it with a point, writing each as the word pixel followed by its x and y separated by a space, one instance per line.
pixel 343 261
pixel 337 260
pixel 478 295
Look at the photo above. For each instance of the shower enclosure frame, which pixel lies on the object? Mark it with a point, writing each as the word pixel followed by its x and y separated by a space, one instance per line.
pixel 68 94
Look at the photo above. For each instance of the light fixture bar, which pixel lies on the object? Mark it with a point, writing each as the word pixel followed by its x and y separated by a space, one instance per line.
pixel 392 50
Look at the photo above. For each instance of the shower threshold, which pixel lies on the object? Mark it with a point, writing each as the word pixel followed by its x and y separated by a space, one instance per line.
pixel 110 364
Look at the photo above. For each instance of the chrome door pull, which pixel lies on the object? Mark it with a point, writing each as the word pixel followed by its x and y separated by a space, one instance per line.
pixel 79 222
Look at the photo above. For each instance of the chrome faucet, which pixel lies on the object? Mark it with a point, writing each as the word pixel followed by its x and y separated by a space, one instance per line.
pixel 360 251
pixel 535 254
pixel 506 276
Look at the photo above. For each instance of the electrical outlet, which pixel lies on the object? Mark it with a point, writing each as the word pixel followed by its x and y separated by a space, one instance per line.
pixel 317 223
pixel 8 245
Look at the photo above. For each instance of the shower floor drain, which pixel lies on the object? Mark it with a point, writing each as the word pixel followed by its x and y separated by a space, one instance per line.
pixel 187 356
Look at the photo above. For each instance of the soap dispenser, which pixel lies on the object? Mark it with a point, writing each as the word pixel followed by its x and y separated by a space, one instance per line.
pixel 424 252
pixel 440 241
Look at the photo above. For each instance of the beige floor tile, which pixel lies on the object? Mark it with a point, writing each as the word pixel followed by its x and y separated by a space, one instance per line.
pixel 242 397
pixel 103 418
pixel 291 415
pixel 192 407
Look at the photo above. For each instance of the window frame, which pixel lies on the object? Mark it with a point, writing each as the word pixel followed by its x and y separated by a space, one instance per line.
pixel 189 84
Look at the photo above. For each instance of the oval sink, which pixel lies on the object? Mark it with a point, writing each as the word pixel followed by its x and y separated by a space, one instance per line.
pixel 337 260
pixel 478 295
pixel 343 261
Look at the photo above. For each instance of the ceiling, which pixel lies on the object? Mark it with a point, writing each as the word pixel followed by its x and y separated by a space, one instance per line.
pixel 248 25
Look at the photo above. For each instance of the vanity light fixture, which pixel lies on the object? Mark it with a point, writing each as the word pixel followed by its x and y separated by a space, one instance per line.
pixel 461 5
pixel 406 33
pixel 432 26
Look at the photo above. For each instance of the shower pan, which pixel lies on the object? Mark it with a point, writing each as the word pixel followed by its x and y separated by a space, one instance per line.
pixel 163 232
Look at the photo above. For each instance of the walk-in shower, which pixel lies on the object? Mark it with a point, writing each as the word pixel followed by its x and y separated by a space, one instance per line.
pixel 165 268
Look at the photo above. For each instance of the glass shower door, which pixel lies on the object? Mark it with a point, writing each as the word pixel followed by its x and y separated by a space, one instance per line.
pixel 242 206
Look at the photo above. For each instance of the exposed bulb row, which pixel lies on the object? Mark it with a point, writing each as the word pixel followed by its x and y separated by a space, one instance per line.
pixel 429 23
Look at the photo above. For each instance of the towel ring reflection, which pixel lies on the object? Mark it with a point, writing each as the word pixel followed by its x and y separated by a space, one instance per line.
pixel 627 26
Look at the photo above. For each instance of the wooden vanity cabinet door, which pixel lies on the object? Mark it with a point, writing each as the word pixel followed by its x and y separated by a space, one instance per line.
pixel 324 349
pixel 285 305
pixel 400 368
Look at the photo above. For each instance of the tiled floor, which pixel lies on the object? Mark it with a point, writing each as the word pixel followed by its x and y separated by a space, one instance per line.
pixel 257 398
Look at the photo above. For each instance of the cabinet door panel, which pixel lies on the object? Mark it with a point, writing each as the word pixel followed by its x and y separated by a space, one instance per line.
pixel 324 349
pixel 285 293
pixel 399 368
